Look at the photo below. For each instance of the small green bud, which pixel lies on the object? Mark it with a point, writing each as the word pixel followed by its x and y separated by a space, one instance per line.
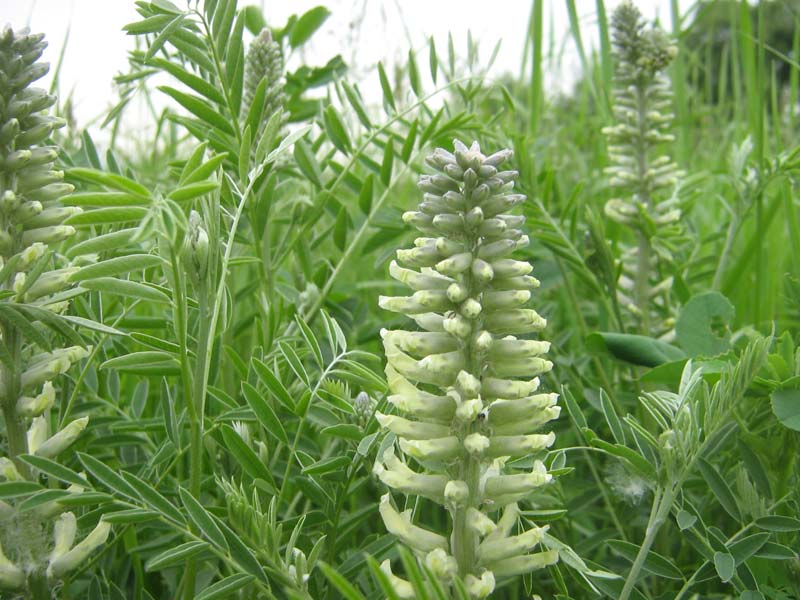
pixel 457 293
pixel 496 249
pixel 456 493
pixel 480 587
pixel 442 565
pixel 483 341
pixel 30 255
pixel 482 271
pixel 454 265
pixel 47 235
pixel 457 326
pixel 477 444
pixel 509 411
pixel 470 308
pixel 474 217
pixel 510 268
pixel 468 410
pixel 520 367
pixel 50 216
pixel 50 283
pixel 448 223
pixel 468 385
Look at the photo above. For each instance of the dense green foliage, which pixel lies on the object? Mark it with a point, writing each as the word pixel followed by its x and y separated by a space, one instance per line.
pixel 192 374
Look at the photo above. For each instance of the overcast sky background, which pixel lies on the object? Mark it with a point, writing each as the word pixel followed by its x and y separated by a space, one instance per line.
pixel 384 29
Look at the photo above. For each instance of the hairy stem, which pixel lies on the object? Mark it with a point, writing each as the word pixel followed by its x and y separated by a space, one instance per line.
pixel 662 503
pixel 198 393
pixel 16 432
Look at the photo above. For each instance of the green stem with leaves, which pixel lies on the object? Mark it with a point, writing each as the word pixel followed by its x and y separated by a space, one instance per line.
pixel 662 504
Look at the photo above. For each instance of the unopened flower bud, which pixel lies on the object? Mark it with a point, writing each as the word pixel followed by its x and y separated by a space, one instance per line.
pixel 63 439
pixel 456 493
pixel 441 564
pixel 480 588
pixel 33 407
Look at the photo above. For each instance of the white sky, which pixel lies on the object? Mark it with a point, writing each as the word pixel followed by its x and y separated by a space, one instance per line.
pixel 384 29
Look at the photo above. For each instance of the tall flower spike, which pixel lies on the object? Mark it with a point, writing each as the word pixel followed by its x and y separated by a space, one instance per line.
pixel 465 385
pixel 264 62
pixel 644 174
pixel 31 220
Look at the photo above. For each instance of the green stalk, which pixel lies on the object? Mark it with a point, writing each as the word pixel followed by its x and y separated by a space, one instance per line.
pixel 16 432
pixel 464 538
pixel 199 392
pixel 658 514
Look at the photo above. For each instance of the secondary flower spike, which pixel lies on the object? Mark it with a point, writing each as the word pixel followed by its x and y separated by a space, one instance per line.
pixel 464 385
